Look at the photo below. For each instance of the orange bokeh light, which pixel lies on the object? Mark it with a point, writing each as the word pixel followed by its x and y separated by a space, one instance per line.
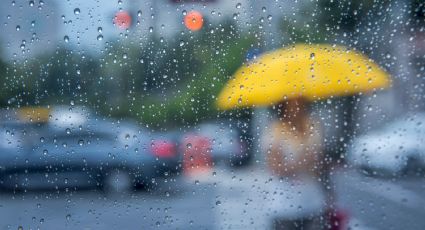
pixel 194 20
pixel 122 20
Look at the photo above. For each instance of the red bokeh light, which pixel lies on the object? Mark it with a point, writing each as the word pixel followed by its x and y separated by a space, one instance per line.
pixel 122 20
pixel 194 20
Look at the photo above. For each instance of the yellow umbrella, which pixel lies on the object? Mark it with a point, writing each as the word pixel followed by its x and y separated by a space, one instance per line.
pixel 311 71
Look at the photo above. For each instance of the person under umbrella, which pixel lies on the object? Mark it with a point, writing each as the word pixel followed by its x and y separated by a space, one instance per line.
pixel 289 79
pixel 293 147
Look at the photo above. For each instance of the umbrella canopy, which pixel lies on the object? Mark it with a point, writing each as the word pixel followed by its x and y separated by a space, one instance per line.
pixel 311 71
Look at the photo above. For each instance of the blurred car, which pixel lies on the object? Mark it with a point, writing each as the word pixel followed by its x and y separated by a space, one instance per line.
pixel 72 147
pixel 229 144
pixel 395 148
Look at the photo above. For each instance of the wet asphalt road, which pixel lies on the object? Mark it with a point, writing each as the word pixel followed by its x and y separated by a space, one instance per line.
pixel 220 199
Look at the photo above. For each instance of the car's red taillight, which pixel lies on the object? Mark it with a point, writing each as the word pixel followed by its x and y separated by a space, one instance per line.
pixel 161 148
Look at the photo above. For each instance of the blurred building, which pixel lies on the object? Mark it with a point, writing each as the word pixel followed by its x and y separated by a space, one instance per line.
pixel 39 26
pixel 28 28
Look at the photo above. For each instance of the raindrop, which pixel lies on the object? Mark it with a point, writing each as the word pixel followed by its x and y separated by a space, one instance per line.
pixel 45 152
pixel 312 56
pixel 139 13
pixel 100 37
pixel 31 3
pixel 77 11
pixel 66 39
pixel 18 28
pixel 81 142
pixel 238 6
pixel 189 145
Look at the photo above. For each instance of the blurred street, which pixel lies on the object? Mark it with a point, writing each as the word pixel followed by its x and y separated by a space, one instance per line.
pixel 220 199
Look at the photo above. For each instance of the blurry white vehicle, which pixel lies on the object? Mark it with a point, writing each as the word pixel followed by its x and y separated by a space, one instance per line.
pixel 228 144
pixel 396 147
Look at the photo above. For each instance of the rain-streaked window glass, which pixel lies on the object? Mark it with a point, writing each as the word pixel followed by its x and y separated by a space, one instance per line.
pixel 212 114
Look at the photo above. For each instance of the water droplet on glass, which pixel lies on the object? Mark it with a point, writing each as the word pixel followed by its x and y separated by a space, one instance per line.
pixel 66 38
pixel 238 6
pixel 77 11
pixel 100 37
